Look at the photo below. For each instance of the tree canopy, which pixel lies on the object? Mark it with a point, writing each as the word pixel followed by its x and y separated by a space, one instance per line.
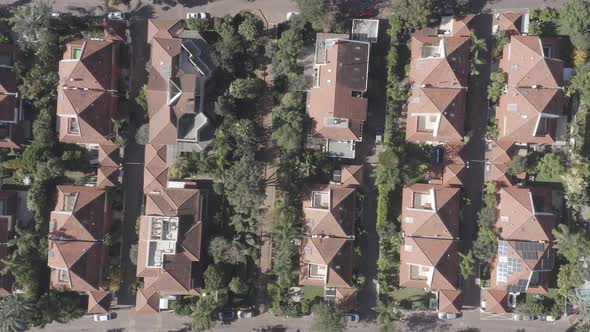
pixel 574 22
pixel 327 318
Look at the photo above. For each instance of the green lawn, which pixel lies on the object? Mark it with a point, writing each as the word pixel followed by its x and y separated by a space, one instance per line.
pixel 410 298
pixel 553 292
pixel 310 292
pixel 555 179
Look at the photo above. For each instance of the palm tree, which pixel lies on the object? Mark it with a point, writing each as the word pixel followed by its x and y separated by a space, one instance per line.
pixel 477 46
pixel 203 314
pixel 14 313
pixel 29 21
pixel 387 313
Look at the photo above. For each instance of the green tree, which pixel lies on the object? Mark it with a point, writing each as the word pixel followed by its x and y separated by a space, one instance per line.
pixel 387 170
pixel 551 166
pixel 199 24
pixel 575 182
pixel 242 184
pixel 413 13
pixel 224 251
pixel 574 22
pixel 288 133
pixel 327 318
pixel 251 27
pixel 141 98
pixel 544 22
pixel 214 278
pixel 285 229
pixel 497 86
pixel 571 245
pixel 15 313
pixel 184 305
pixel 316 12
pixel 467 265
pixel 312 163
pixel 142 135
pixel 486 244
pixel 388 313
pixel 246 88
pixel 30 20
pixel 476 48
pixel 570 276
pixel 237 286
pixel 203 316
pixel 519 164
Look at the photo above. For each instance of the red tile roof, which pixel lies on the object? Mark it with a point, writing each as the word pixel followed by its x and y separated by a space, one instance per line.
pixel 447 68
pixel 496 301
pixel 83 262
pixel 441 256
pixel 450 301
pixel 334 253
pixel 511 23
pixel 156 170
pixel 99 302
pixel 338 220
pixel 343 72
pixel 443 222
pixel 525 214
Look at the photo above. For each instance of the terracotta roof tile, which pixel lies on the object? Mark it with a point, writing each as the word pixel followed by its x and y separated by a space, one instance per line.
pixel 439 255
pixel 441 223
pixel 496 300
pixel 99 302
pixel 335 253
pixel 448 69
pixel 147 301
pixel 339 219
pixel 510 22
pixel 450 301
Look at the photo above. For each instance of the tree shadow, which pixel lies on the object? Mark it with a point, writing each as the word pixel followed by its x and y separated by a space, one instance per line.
pixel 426 322
pixel 193 3
pixel 469 329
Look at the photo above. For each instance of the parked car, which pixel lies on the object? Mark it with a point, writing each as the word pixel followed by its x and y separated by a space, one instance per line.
pixel 117 16
pixel 246 313
pixel 378 136
pixel 103 318
pixel 364 12
pixel 226 315
pixel 447 316
pixel 290 15
pixel 352 317
pixel 198 15
pixel 55 14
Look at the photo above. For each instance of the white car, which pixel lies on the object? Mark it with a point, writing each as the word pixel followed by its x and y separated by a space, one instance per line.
pixel 116 16
pixel 202 16
pixel 245 313
pixel 446 316
pixel 103 318
pixel 290 15
pixel 352 317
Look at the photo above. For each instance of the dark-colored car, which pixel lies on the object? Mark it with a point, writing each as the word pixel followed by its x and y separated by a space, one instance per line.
pixel 227 315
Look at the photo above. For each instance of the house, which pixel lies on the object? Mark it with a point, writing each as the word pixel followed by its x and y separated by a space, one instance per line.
pixel 170 247
pixel 431 211
pixel 449 301
pixel 429 263
pixel 77 254
pixel 439 70
pixel 497 301
pixel 87 91
pixel 329 214
pixel 522 267
pixel 155 175
pixel 447 165
pixel 336 101
pixel 531 109
pixel 12 119
pixel 526 214
pixel 180 65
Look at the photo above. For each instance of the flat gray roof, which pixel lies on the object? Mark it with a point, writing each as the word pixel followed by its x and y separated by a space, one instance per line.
pixel 365 30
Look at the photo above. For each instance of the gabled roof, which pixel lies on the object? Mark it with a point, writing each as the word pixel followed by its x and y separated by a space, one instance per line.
pixel 94 69
pixel 520 219
pixel 448 68
pixel 89 218
pixel 335 253
pixel 342 68
pixel 338 220
pixel 440 254
pixel 519 112
pixel 462 25
pixel 510 22
pixel 496 300
pixel 440 223
pixel 99 302
pixel 173 202
pixel 108 155
pixel 82 260
pixel 93 111
pixel 446 105
pixel 450 301
pixel 163 28
pixel 527 65
pixel 156 171
pixel 147 301
pixel 352 175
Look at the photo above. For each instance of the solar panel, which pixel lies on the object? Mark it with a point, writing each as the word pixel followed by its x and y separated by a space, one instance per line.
pixel 502 248
pixel 548 262
pixel 530 255
pixel 520 287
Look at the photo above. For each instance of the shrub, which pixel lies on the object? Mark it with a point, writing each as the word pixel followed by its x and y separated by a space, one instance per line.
pixel 496 86
pixel 551 166
pixel 199 24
